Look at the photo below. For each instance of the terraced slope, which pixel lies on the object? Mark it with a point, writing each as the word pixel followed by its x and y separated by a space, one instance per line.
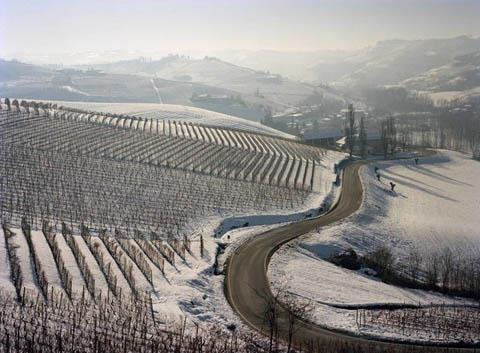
pixel 180 113
pixel 130 173
pixel 52 262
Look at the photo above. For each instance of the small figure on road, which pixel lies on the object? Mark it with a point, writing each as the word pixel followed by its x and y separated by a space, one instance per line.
pixel 378 176
pixel 376 169
pixel 416 160
pixel 392 186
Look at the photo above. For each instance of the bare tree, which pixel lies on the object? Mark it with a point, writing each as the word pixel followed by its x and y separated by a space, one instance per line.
pixel 384 137
pixel 296 311
pixel 414 262
pixel 388 135
pixel 473 136
pixel 392 133
pixel 404 135
pixel 446 266
pixel 270 316
pixel 382 260
pixel 350 129
pixel 432 271
pixel 363 137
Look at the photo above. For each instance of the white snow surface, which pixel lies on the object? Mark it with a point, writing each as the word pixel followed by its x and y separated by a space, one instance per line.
pixel 5 282
pixel 178 113
pixel 190 289
pixel 46 259
pixel 435 205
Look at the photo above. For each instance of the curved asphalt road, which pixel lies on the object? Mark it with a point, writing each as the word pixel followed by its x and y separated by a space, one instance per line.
pixel 246 282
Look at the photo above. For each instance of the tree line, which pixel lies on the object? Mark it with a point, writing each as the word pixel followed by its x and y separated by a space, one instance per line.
pixel 457 130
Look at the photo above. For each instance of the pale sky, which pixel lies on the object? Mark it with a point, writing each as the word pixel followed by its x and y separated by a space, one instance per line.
pixel 60 26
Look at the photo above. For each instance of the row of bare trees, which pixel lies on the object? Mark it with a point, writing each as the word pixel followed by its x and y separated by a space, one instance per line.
pixel 446 129
pixel 37 268
pixel 16 274
pixel 355 133
pixel 283 315
pixel 124 263
pixel 63 271
pixel 138 257
pixel 93 191
pixel 114 256
pixel 176 151
pixel 26 105
pixel 450 323
pixel 60 326
pixel 453 129
pixel 388 136
pixel 442 270
pixel 80 260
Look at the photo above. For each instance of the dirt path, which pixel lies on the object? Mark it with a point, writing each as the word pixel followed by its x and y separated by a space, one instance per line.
pixel 157 92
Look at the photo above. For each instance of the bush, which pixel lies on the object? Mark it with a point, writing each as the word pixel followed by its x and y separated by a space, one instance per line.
pixel 347 259
pixel 382 261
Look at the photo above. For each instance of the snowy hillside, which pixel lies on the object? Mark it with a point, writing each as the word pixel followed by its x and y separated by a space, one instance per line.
pixel 434 208
pixel 178 113
pixel 391 61
pixel 107 207
pixel 434 205
pixel 458 80
pixel 45 83
pixel 271 88
pixel 183 171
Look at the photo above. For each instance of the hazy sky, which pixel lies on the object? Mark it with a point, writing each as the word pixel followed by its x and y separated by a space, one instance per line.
pixel 56 26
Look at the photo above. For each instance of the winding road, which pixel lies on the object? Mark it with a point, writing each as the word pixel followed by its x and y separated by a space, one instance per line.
pixel 246 284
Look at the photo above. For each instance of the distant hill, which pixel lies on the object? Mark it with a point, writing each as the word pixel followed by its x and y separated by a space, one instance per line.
pixel 89 85
pixel 393 61
pixel 255 86
pixel 463 73
pixel 14 70
pixel 38 82
pixel 296 65
pixel 208 83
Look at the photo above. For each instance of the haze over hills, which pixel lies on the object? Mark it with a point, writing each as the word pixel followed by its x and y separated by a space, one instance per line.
pixel 38 82
pixel 385 63
pixel 207 83
pixel 391 62
pixel 93 85
pixel 457 79
pixel 443 69
pixel 258 81
pixel 253 84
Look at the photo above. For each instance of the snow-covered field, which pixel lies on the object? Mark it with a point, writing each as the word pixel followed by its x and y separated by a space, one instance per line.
pixel 188 289
pixel 448 96
pixel 195 292
pixel 178 113
pixel 434 206
pixel 192 290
